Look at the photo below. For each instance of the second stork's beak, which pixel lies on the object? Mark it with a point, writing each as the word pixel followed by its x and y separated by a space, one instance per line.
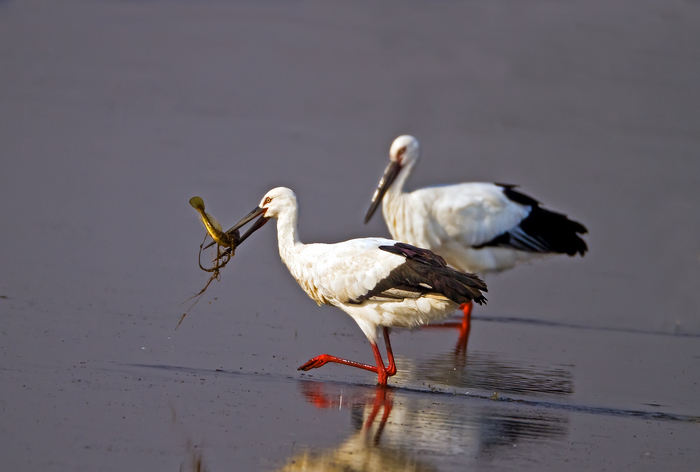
pixel 245 220
pixel 392 170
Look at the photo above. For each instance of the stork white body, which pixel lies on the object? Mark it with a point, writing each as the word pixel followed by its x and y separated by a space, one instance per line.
pixel 452 219
pixel 476 227
pixel 336 274
pixel 378 282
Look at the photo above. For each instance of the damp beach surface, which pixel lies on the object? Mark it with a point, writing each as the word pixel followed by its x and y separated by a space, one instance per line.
pixel 114 114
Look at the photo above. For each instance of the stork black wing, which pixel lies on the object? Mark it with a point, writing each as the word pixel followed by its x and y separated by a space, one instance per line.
pixel 426 272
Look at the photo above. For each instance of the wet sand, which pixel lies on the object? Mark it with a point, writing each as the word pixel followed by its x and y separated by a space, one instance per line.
pixel 114 114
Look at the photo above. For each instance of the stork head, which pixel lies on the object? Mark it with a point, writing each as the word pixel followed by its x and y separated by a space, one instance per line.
pixel 404 150
pixel 404 153
pixel 274 202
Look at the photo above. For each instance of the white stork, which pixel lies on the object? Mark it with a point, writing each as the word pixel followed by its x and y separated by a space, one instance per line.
pixel 378 282
pixel 477 227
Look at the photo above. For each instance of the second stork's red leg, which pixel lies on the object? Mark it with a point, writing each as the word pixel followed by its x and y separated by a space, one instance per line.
pixel 466 326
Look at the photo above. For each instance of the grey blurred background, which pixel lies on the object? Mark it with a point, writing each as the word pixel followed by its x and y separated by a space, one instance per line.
pixel 114 113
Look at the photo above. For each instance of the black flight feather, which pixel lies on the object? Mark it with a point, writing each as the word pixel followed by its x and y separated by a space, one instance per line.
pixel 426 272
pixel 542 230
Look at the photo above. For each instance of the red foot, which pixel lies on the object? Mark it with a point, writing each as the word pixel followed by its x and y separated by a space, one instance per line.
pixel 324 359
pixel 383 373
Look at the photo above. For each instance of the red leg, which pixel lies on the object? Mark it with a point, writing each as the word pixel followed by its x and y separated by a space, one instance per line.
pixel 465 327
pixel 466 320
pixel 323 359
pixel 382 376
pixel 391 369
pixel 380 370
pixel 467 309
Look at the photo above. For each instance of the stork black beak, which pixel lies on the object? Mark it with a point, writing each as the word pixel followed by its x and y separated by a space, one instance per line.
pixel 256 226
pixel 245 220
pixel 392 170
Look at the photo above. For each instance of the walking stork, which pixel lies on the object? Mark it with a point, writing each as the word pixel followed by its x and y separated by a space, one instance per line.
pixel 380 283
pixel 477 227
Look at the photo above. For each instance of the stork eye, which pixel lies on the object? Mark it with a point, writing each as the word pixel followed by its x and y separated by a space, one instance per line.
pixel 268 200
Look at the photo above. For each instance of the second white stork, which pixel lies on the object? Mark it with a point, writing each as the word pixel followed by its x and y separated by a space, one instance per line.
pixel 477 227
pixel 380 283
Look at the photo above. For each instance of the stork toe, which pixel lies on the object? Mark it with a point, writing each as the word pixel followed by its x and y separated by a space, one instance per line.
pixel 314 363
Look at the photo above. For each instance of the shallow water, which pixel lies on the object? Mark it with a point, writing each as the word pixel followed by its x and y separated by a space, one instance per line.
pixel 114 114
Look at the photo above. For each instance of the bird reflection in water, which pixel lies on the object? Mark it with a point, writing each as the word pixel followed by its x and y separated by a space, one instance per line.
pixel 363 450
pixel 394 430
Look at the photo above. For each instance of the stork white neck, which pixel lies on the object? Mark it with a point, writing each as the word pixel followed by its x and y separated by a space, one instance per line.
pixel 393 198
pixel 396 209
pixel 396 188
pixel 286 210
pixel 288 232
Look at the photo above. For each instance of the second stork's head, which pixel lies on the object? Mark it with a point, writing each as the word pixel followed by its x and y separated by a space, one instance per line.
pixel 403 155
